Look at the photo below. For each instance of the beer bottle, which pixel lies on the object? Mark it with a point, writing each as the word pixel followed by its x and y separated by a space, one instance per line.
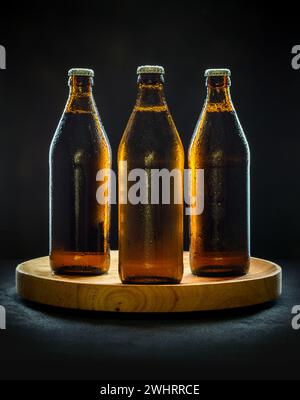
pixel 79 225
pixel 219 237
pixel 151 230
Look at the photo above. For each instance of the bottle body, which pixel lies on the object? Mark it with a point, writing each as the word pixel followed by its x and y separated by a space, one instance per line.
pixel 79 225
pixel 151 235
pixel 219 236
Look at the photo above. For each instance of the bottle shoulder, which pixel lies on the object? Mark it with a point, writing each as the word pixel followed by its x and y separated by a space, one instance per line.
pixel 150 132
pixel 219 136
pixel 82 132
pixel 80 127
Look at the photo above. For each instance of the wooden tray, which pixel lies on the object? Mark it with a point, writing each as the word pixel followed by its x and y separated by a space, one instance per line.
pixel 35 282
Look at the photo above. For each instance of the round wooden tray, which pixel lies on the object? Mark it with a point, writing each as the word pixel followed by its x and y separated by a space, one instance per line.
pixel 35 282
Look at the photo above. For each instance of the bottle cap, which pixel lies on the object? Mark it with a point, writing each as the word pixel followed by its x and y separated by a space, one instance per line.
pixel 150 69
pixel 217 72
pixel 81 72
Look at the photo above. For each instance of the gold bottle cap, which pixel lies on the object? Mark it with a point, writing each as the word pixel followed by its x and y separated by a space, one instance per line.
pixel 150 69
pixel 81 72
pixel 217 72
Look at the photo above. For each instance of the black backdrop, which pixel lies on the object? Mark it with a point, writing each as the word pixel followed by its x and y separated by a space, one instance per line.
pixel 254 41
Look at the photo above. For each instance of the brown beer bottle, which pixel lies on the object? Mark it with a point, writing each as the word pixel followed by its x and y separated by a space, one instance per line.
pixel 219 237
pixel 151 228
pixel 79 225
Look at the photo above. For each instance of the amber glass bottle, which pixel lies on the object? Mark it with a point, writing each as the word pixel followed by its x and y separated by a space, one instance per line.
pixel 151 232
pixel 79 225
pixel 219 237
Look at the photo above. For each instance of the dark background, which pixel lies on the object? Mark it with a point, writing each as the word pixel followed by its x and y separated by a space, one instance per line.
pixel 114 37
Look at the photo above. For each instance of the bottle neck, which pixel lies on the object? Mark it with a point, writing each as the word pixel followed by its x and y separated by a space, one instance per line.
pixel 218 94
pixel 151 95
pixel 81 99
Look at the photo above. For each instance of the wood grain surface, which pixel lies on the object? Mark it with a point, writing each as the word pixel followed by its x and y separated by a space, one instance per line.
pixel 35 282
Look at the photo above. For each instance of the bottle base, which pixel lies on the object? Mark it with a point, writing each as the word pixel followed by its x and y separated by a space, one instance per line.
pixel 220 265
pixel 73 263
pixel 150 280
pixel 225 271
pixel 78 270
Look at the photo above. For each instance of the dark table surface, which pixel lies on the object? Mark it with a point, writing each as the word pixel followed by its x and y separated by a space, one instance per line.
pixel 43 342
